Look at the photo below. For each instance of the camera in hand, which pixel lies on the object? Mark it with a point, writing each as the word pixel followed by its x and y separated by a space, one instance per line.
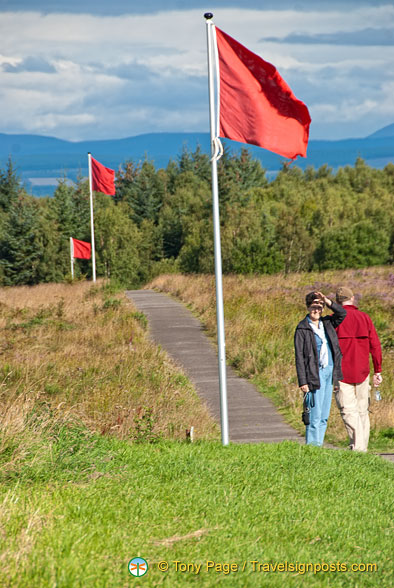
pixel 306 415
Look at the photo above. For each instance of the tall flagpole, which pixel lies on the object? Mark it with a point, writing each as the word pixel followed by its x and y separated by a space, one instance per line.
pixel 91 219
pixel 216 227
pixel 72 257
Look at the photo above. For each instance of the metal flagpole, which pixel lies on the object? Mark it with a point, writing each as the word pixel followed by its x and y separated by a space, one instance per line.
pixel 91 219
pixel 216 226
pixel 72 257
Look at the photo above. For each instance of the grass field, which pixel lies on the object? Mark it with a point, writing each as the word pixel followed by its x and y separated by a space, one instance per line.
pixel 261 314
pixel 77 372
pixel 81 505
pixel 95 469
pixel 83 350
pixel 76 512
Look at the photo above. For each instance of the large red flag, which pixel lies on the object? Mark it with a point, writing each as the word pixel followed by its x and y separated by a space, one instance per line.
pixel 103 178
pixel 81 249
pixel 256 104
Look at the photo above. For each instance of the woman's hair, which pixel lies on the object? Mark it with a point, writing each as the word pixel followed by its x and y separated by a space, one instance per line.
pixel 309 298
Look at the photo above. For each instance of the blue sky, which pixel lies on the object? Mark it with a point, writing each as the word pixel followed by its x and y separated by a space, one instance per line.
pixel 99 70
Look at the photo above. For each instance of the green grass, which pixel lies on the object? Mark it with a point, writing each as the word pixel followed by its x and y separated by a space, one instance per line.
pixel 77 505
pixel 81 505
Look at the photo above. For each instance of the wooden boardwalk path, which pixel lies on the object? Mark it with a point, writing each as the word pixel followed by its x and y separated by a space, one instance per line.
pixel 252 417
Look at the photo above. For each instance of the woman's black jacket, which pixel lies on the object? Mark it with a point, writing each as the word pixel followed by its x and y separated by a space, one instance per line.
pixel 307 361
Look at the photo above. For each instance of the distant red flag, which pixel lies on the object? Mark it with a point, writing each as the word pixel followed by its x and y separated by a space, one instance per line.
pixel 256 104
pixel 81 249
pixel 103 178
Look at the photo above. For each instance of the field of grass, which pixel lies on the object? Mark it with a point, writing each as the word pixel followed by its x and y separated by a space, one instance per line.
pixel 77 513
pixel 82 351
pixel 77 372
pixel 95 469
pixel 261 314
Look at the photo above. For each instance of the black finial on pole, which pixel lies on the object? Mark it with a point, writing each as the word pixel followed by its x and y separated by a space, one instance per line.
pixel 208 15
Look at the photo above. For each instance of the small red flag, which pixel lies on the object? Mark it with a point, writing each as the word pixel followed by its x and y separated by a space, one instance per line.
pixel 256 105
pixel 81 249
pixel 103 178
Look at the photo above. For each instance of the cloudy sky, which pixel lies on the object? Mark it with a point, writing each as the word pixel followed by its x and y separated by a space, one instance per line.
pixel 89 69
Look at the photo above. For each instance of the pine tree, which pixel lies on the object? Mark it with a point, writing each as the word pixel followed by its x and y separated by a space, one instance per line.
pixel 10 187
pixel 20 249
pixel 143 189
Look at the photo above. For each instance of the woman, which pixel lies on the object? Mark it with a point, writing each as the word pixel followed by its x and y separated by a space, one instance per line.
pixel 318 362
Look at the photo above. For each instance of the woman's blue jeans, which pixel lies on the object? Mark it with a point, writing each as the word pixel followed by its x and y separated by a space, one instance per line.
pixel 320 412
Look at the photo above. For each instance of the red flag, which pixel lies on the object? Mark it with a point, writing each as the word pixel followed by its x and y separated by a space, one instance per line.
pixel 81 249
pixel 103 178
pixel 256 104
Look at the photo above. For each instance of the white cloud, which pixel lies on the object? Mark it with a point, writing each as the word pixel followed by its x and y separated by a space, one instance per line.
pixel 130 74
pixel 346 111
pixel 386 105
pixel 52 121
pixel 91 37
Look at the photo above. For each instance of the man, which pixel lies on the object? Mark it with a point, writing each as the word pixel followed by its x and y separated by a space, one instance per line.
pixel 357 338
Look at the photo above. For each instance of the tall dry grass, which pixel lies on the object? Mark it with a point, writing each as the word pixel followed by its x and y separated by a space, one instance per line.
pixel 76 352
pixel 261 314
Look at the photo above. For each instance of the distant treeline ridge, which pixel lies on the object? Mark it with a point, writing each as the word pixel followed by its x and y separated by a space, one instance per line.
pixel 160 221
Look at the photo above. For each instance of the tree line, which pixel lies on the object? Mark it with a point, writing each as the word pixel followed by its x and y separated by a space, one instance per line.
pixel 161 221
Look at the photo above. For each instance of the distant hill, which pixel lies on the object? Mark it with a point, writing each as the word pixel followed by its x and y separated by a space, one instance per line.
pixel 41 160
pixel 382 133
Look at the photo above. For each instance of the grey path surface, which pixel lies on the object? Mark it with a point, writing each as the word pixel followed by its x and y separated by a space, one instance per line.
pixel 252 417
pixel 388 456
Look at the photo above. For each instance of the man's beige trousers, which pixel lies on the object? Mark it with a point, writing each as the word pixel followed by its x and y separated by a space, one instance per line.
pixel 353 402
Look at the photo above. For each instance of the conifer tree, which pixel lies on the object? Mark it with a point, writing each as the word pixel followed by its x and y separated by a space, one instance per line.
pixel 143 190
pixel 20 249
pixel 10 187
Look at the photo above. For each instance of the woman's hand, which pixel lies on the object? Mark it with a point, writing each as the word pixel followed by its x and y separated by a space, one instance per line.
pixel 305 388
pixel 323 298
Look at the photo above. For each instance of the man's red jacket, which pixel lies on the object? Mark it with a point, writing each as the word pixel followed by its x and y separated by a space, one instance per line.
pixel 358 338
